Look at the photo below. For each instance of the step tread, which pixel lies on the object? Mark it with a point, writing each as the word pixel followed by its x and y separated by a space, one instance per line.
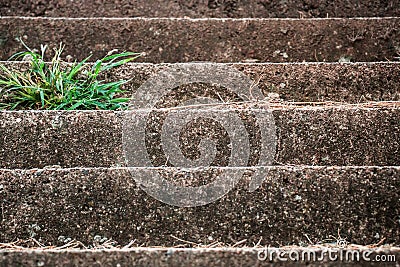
pixel 310 82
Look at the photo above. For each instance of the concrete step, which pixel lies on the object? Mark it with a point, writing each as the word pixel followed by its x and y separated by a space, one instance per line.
pixel 201 9
pixel 298 82
pixel 294 205
pixel 64 177
pixel 203 257
pixel 327 135
pixel 217 40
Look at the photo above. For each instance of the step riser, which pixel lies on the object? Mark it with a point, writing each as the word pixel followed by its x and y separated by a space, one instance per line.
pixel 350 83
pixel 199 257
pixel 290 204
pixel 185 40
pixel 203 9
pixel 329 136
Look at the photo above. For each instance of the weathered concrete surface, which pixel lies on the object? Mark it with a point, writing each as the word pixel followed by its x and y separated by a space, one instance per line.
pixel 211 8
pixel 245 257
pixel 310 82
pixel 292 204
pixel 311 136
pixel 217 40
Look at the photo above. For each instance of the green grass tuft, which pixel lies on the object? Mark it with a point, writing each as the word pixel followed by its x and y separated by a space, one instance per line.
pixel 51 86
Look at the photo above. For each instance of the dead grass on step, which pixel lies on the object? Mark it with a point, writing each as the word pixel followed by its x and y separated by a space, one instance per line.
pixel 33 244
pixel 280 104
pixel 373 104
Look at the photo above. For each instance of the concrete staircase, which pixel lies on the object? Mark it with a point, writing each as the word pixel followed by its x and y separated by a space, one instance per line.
pixel 329 76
